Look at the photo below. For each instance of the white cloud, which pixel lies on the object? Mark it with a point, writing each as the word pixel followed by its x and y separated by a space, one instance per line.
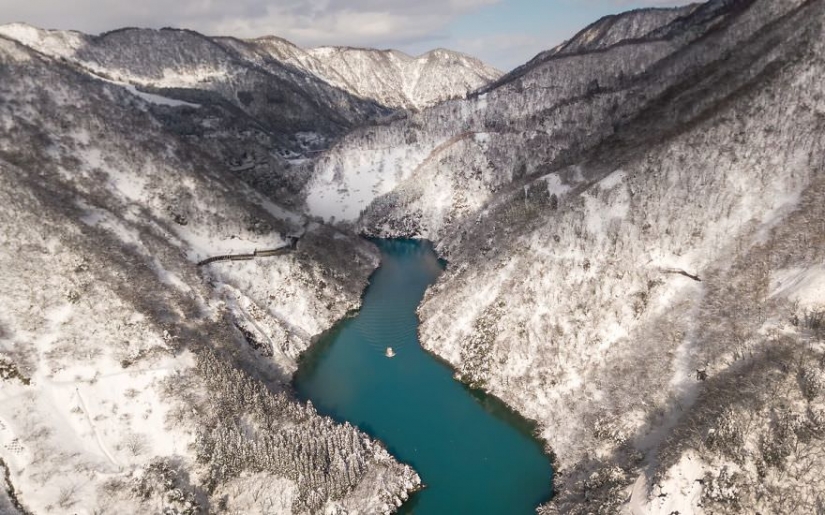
pixel 643 3
pixel 307 22
pixel 505 50
pixel 349 27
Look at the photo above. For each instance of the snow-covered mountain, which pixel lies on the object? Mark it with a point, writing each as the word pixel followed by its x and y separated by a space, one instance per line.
pixel 265 105
pixel 635 254
pixel 390 77
pixel 185 64
pixel 350 81
pixel 633 223
pixel 131 379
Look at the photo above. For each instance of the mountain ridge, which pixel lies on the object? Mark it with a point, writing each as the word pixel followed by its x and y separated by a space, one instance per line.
pixel 348 66
pixel 464 73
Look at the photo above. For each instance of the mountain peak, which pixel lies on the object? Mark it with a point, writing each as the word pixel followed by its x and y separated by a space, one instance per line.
pixel 48 41
pixel 391 77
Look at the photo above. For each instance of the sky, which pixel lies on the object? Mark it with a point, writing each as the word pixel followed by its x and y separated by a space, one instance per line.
pixel 503 33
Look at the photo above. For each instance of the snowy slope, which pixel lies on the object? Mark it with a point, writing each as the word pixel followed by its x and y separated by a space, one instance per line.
pixel 517 128
pixel 635 371
pixel 132 380
pixel 634 253
pixel 390 77
pixel 640 24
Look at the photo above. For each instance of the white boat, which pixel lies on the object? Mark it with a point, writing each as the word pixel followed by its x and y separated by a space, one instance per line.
pixel 390 353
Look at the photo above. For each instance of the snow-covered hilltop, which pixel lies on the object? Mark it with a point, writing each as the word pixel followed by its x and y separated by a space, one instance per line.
pixel 635 258
pixel 171 58
pixel 391 77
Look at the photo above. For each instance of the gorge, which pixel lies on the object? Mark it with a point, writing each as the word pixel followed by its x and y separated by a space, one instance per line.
pixel 577 199
pixel 472 453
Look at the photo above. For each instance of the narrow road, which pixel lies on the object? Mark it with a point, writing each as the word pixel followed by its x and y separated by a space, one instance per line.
pixel 255 254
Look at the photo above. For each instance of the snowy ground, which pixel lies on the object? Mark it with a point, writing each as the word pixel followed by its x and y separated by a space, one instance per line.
pixel 616 291
pixel 132 380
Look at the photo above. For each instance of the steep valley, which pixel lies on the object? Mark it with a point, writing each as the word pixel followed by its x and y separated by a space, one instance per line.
pixel 131 377
pixel 633 223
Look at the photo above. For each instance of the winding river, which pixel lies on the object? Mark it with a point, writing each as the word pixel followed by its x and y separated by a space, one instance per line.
pixel 474 455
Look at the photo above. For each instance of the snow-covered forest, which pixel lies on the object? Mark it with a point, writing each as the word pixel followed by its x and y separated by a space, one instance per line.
pixel 133 380
pixel 633 222
pixel 631 228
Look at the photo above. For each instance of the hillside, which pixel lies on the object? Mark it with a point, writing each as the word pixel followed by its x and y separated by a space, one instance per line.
pixel 632 234
pixel 633 225
pixel 131 377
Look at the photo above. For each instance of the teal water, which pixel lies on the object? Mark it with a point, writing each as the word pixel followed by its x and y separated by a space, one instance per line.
pixel 473 454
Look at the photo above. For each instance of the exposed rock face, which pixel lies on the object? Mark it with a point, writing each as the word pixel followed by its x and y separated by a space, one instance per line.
pixel 635 255
pixel 131 379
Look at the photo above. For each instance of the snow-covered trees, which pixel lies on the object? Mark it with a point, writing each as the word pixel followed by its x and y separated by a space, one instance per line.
pixel 699 155
pixel 251 429
pixel 104 212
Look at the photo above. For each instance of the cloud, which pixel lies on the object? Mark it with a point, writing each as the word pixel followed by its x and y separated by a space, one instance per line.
pixel 307 22
pixel 505 50
pixel 642 3
pixel 523 27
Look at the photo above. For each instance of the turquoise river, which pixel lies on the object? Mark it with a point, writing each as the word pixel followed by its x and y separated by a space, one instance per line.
pixel 473 454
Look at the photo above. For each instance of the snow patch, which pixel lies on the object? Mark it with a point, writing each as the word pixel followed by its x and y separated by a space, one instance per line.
pixel 342 195
pixel 10 50
pixel 681 490
pixel 49 42
pixel 153 98
pixel 803 285
pixel 612 180
pixel 555 186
